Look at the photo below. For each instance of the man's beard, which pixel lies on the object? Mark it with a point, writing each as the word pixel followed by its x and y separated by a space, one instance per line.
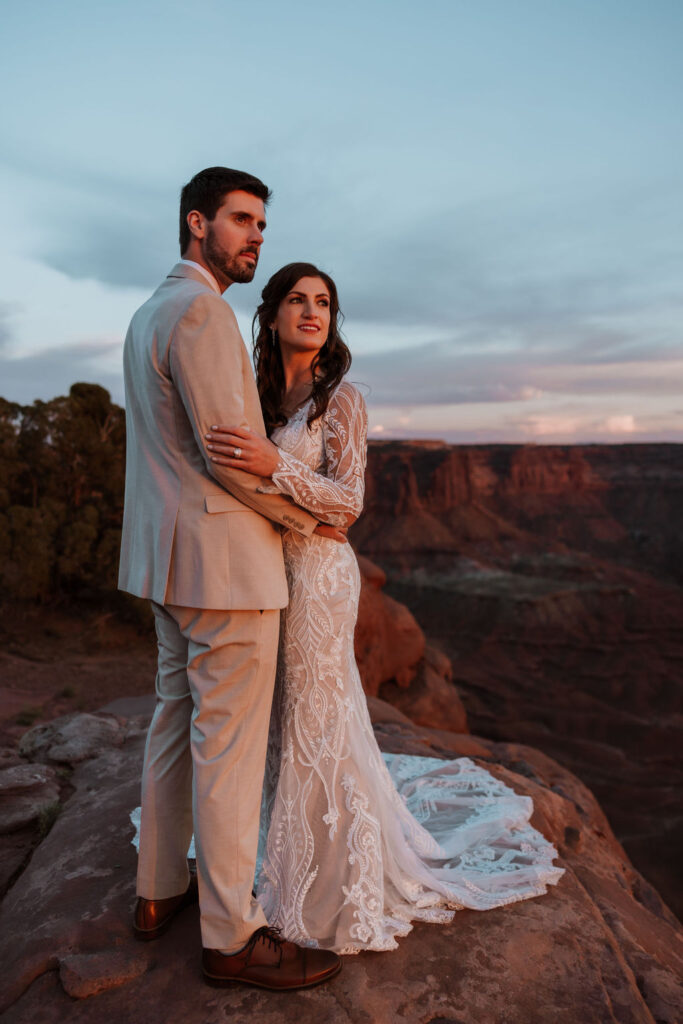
pixel 229 266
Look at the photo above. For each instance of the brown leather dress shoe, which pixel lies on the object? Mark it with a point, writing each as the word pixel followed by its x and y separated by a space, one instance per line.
pixel 269 961
pixel 152 917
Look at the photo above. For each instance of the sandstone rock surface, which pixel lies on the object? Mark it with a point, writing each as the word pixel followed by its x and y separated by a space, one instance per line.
pixel 395 661
pixel 429 698
pixel 599 947
pixel 388 641
pixel 26 790
pixel 72 738
pixel 87 974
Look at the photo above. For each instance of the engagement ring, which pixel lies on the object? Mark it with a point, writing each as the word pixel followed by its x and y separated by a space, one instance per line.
pixel 237 453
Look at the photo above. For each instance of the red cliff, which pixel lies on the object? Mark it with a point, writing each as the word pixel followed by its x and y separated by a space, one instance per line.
pixel 551 576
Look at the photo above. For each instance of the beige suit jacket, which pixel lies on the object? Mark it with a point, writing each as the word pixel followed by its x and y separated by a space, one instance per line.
pixel 195 533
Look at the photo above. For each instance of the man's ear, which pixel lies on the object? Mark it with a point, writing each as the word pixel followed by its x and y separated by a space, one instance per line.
pixel 196 222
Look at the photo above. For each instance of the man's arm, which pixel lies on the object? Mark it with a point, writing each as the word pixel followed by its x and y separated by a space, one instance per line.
pixel 206 360
pixel 335 495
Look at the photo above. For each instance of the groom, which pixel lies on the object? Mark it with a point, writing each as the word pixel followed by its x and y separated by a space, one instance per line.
pixel 203 544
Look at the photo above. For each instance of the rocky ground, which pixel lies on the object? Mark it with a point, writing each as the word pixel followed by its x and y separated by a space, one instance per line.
pixel 75 658
pixel 599 947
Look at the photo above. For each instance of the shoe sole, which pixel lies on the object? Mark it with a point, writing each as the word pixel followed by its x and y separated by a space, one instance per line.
pixel 217 982
pixel 149 934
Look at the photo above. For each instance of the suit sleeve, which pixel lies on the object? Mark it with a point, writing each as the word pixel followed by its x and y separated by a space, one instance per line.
pixel 207 366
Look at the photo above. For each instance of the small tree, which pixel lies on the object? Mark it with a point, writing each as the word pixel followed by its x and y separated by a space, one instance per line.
pixel 62 467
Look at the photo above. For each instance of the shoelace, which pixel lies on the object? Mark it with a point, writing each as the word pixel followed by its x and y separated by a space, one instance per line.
pixel 273 937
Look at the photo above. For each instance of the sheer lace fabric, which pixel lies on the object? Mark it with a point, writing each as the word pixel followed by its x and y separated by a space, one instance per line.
pixel 356 845
pixel 323 468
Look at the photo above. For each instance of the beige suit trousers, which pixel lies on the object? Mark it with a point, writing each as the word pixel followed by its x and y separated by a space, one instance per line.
pixel 204 763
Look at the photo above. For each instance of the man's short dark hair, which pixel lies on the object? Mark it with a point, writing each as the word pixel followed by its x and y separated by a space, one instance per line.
pixel 207 190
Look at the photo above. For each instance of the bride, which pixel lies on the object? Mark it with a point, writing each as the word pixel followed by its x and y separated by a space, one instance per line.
pixel 355 844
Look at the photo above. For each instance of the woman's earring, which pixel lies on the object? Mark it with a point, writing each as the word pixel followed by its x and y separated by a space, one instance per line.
pixel 272 331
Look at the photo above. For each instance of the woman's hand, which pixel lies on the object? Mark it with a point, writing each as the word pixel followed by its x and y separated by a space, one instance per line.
pixel 241 448
pixel 337 533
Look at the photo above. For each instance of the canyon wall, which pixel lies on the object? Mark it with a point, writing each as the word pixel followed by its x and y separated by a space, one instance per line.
pixel 622 502
pixel 551 576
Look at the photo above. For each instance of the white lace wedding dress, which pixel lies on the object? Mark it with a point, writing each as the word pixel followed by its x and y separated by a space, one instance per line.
pixel 355 844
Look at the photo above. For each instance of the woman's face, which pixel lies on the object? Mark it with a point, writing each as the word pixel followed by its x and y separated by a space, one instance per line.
pixel 303 316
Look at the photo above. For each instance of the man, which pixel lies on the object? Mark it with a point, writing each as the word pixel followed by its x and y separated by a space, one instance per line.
pixel 203 545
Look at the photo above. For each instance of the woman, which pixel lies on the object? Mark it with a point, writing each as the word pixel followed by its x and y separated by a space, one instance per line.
pixel 355 845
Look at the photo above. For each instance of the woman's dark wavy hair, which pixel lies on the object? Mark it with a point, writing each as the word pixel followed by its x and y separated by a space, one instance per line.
pixel 330 364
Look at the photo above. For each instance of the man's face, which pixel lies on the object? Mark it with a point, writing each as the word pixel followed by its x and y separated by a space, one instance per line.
pixel 233 239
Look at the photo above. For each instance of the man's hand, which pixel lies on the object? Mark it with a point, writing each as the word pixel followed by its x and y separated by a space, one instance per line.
pixel 331 532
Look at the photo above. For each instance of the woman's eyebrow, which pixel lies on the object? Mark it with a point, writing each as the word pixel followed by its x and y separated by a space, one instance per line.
pixel 320 295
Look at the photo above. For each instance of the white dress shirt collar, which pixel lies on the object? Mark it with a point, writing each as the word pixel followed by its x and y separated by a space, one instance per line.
pixel 202 270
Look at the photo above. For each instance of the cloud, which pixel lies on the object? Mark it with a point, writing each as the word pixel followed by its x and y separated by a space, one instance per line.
pixel 114 243
pixel 7 311
pixel 621 424
pixel 452 372
pixel 51 372
pixel 93 225
pixel 511 302
pixel 522 263
pixel 570 424
pixel 559 425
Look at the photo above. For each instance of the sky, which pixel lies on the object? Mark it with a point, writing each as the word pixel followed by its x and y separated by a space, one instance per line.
pixel 495 185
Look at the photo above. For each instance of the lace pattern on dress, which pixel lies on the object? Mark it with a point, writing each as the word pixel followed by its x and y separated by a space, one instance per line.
pixel 332 485
pixel 355 844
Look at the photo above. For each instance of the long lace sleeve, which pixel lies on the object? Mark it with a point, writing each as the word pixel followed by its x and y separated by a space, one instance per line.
pixel 335 496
